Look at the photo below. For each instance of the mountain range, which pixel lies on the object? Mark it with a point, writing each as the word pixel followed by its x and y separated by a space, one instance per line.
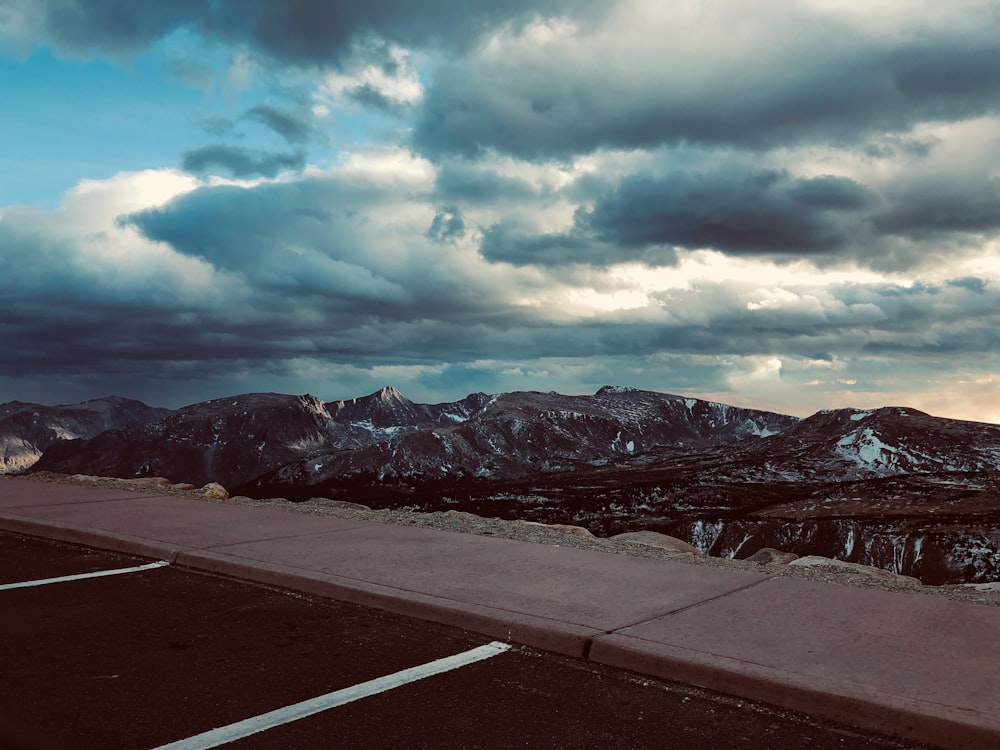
pixel 27 430
pixel 893 487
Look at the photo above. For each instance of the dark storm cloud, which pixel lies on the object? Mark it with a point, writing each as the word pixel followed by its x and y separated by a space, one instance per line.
pixel 511 242
pixel 227 226
pixel 835 322
pixel 241 162
pixel 945 205
pixel 762 212
pixel 766 212
pixel 297 272
pixel 909 222
pixel 116 26
pixel 292 128
pixel 971 283
pixel 802 78
pixel 475 183
pixel 318 241
pixel 828 85
pixel 295 128
pixel 295 31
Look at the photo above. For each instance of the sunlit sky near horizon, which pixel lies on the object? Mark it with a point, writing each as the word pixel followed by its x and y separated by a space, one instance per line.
pixel 792 205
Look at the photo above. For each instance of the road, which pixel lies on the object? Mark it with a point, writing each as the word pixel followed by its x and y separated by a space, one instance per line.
pixel 161 655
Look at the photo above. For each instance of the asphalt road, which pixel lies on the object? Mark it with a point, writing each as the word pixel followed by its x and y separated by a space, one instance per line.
pixel 151 657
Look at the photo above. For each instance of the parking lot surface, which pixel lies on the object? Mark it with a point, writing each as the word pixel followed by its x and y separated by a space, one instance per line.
pixel 162 655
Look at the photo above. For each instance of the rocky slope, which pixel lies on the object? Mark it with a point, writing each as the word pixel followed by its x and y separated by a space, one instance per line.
pixel 644 544
pixel 483 439
pixel 227 440
pixel 27 430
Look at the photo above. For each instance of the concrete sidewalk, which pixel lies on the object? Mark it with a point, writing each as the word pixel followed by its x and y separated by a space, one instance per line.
pixel 916 666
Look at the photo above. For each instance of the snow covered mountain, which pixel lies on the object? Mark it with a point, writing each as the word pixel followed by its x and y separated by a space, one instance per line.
pixel 854 444
pixel 514 435
pixel 295 445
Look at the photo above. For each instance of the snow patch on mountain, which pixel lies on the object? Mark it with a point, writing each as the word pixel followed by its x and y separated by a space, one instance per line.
pixel 864 447
pixel 753 428
pixel 380 433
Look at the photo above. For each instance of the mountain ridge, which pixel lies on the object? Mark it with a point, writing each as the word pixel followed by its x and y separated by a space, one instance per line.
pixel 387 434
pixel 27 429
pixel 492 436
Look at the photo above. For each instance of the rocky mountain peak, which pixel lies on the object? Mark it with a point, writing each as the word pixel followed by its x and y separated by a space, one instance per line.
pixel 386 407
pixel 388 394
pixel 313 403
pixel 610 390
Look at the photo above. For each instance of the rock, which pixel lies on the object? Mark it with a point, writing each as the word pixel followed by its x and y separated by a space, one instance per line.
pixel 771 555
pixel 214 491
pixel 656 539
pixel 565 527
pixel 183 486
pixel 570 529
pixel 848 567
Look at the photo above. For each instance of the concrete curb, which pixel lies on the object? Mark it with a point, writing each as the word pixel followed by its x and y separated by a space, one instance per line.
pixel 857 705
pixel 111 541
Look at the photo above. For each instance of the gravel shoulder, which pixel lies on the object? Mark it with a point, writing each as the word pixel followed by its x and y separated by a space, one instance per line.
pixel 467 523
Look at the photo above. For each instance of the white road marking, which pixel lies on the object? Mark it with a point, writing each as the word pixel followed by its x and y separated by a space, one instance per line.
pixel 247 727
pixel 81 576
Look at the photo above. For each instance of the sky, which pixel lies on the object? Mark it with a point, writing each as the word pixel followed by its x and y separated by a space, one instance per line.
pixel 790 205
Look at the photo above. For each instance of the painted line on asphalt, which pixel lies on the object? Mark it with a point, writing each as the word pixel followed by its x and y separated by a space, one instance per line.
pixel 296 711
pixel 82 576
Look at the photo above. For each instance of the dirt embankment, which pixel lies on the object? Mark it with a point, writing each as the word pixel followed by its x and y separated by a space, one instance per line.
pixel 558 535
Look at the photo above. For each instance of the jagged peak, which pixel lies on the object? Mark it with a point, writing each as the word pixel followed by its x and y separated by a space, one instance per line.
pixel 314 403
pixel 386 397
pixel 390 394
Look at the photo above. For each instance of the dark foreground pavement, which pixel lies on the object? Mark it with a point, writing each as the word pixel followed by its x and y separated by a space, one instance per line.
pixel 162 655
pixel 916 667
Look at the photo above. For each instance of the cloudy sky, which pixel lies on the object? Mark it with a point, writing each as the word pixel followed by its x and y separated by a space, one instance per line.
pixel 791 205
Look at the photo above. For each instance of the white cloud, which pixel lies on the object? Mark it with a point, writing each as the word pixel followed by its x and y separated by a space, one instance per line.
pixel 383 165
pixel 394 79
pixel 82 236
